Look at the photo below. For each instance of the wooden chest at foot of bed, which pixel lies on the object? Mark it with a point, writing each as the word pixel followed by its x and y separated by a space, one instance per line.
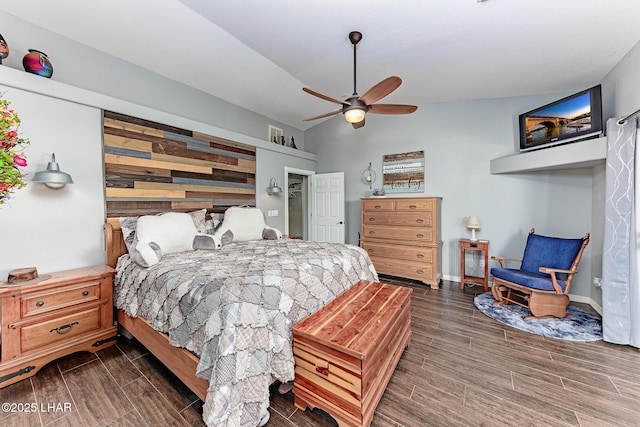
pixel 346 352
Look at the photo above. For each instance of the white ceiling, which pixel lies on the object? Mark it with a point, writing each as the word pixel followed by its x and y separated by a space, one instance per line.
pixel 259 54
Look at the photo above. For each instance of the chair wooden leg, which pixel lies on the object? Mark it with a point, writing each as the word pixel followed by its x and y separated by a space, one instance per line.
pixel 498 292
pixel 545 305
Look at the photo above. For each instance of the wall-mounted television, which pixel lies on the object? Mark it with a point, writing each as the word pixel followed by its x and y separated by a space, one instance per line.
pixel 576 117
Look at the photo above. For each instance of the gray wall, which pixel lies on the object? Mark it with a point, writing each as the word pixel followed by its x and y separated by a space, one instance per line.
pixel 87 68
pixel 459 140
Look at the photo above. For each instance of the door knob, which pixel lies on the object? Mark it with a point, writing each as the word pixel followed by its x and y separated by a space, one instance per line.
pixel 341 222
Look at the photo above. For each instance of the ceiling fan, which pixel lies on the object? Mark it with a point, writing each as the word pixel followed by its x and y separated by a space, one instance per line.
pixel 355 107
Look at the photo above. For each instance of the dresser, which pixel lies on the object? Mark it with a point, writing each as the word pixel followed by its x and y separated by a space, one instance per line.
pixel 62 313
pixel 402 236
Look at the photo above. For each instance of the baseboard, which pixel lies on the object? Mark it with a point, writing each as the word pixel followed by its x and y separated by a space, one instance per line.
pixel 577 298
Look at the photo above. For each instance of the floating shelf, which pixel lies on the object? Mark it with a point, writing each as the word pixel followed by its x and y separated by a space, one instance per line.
pixel 582 154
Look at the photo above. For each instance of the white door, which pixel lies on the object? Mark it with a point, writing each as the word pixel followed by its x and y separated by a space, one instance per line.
pixel 327 204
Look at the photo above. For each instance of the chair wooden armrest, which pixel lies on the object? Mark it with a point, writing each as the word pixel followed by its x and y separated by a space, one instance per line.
pixel 502 260
pixel 554 281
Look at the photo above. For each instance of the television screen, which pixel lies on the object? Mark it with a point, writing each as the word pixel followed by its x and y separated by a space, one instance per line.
pixel 573 118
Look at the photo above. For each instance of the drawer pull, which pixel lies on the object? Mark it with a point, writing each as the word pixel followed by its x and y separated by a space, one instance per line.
pixel 420 255
pixel 39 303
pixel 372 219
pixel 372 232
pixel 419 221
pixel 419 236
pixel 413 207
pixel 370 250
pixel 64 329
pixel 85 293
pixel 419 271
pixel 377 206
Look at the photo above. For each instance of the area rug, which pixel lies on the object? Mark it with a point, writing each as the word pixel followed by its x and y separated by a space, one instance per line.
pixel 578 326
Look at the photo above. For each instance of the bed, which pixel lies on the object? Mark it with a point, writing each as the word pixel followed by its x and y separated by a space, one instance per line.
pixel 221 319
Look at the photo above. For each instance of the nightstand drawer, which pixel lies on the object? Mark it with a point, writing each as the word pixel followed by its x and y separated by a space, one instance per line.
pixel 62 328
pixel 54 299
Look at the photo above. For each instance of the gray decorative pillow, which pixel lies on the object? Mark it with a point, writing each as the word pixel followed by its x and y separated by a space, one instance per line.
pixel 206 242
pixel 145 254
pixel 128 226
pixel 199 220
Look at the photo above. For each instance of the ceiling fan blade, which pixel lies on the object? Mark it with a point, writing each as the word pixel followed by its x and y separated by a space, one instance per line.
pixel 358 125
pixel 323 96
pixel 322 115
pixel 381 90
pixel 392 109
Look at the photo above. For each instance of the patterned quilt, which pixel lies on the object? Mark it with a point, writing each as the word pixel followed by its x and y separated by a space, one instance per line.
pixel 234 307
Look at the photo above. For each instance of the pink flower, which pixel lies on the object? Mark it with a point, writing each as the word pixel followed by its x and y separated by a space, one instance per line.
pixel 20 161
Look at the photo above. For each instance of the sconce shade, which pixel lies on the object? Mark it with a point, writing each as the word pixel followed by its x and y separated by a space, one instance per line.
pixel 473 223
pixel 274 188
pixel 53 177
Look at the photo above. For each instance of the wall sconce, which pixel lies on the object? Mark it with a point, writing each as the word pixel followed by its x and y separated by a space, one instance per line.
pixel 273 188
pixel 53 177
pixel 368 176
pixel 473 224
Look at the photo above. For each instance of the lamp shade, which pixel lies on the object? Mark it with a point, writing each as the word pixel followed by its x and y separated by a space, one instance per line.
pixel 473 223
pixel 273 187
pixel 53 177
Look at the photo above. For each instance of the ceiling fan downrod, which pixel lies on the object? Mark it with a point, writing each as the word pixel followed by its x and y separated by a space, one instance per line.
pixel 354 37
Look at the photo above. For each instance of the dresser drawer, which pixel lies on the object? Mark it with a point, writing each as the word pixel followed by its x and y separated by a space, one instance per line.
pixel 62 328
pixel 399 218
pixel 408 234
pixel 414 205
pixel 409 253
pixel 54 299
pixel 377 205
pixel 409 269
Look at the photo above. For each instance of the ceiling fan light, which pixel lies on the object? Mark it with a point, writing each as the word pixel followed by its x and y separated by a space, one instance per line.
pixel 354 115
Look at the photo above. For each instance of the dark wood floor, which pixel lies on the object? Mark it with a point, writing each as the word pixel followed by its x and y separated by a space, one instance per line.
pixel 462 369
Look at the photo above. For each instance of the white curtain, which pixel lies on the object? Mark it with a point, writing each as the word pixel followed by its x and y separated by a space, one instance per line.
pixel 620 282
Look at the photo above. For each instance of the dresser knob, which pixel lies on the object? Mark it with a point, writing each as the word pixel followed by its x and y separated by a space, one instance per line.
pixel 419 236
pixel 419 271
pixel 85 293
pixel 372 232
pixel 377 206
pixel 419 221
pixel 412 207
pixel 39 303
pixel 419 255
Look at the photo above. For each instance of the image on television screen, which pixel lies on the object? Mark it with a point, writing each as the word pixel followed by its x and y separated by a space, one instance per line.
pixel 559 120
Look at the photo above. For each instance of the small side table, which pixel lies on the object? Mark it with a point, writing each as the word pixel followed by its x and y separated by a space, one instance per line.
pixel 474 278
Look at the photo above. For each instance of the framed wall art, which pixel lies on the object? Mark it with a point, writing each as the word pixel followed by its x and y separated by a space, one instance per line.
pixel 403 173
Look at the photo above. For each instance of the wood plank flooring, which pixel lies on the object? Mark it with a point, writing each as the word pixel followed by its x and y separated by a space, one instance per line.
pixel 461 369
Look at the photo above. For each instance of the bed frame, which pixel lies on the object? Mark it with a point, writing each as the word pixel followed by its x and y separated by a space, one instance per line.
pixel 181 362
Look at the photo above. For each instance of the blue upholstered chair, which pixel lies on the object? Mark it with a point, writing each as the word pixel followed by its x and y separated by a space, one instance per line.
pixel 544 278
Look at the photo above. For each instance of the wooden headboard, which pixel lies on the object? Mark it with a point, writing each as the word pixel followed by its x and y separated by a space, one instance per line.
pixel 152 168
pixel 114 241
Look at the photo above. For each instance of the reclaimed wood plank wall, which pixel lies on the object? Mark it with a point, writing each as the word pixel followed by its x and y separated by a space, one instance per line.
pixel 152 168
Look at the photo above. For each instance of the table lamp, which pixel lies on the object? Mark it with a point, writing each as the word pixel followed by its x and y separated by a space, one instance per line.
pixel 473 224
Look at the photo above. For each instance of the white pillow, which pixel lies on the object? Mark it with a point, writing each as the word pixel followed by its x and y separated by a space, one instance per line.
pixel 245 223
pixel 173 231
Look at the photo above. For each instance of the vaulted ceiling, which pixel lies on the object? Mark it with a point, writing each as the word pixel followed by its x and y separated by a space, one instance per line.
pixel 260 54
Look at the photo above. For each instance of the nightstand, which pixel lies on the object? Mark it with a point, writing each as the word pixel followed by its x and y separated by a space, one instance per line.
pixel 477 274
pixel 43 320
